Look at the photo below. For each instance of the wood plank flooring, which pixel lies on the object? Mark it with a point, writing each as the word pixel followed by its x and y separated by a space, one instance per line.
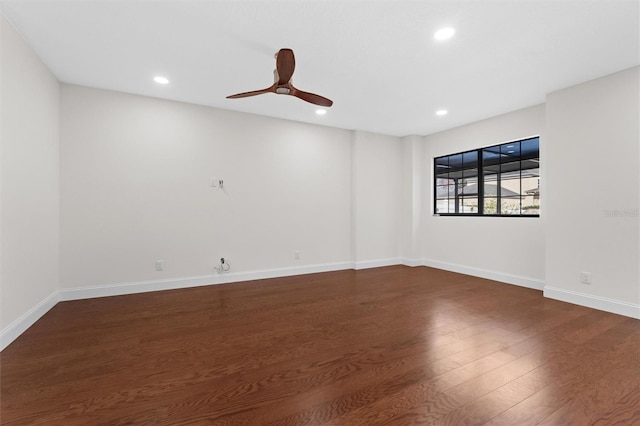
pixel 385 346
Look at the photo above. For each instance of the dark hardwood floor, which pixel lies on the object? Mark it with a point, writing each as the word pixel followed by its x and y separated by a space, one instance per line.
pixel 389 346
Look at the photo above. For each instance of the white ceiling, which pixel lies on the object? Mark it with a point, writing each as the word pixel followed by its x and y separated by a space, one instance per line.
pixel 377 60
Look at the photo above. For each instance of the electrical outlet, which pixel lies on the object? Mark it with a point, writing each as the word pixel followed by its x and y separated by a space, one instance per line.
pixel 585 278
pixel 296 255
pixel 159 265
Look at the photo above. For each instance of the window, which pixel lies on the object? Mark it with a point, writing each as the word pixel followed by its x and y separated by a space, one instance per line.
pixel 500 180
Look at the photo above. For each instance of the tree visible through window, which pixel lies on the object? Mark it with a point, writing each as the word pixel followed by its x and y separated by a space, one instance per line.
pixel 500 180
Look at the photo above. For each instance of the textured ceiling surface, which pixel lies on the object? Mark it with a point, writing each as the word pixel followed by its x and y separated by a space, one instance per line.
pixel 377 60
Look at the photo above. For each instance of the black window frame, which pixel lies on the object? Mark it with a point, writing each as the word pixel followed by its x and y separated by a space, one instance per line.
pixel 462 176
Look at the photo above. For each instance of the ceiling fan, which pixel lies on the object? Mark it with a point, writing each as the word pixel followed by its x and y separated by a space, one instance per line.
pixel 285 65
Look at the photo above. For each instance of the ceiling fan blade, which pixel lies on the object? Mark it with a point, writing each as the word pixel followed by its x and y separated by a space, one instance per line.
pixel 311 97
pixel 270 89
pixel 285 65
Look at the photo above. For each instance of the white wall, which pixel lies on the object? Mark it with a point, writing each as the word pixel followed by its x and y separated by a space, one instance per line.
pixel 510 249
pixel 414 205
pixel 135 176
pixel 377 199
pixel 29 97
pixel 593 181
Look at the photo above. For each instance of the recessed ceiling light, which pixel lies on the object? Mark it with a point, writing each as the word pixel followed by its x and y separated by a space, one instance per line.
pixel 161 80
pixel 321 111
pixel 444 33
pixel 441 112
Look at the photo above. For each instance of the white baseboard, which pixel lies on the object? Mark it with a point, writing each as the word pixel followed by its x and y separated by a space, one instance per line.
pixel 412 262
pixel 119 289
pixel 533 283
pixel 595 302
pixel 20 325
pixel 177 283
pixel 366 264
